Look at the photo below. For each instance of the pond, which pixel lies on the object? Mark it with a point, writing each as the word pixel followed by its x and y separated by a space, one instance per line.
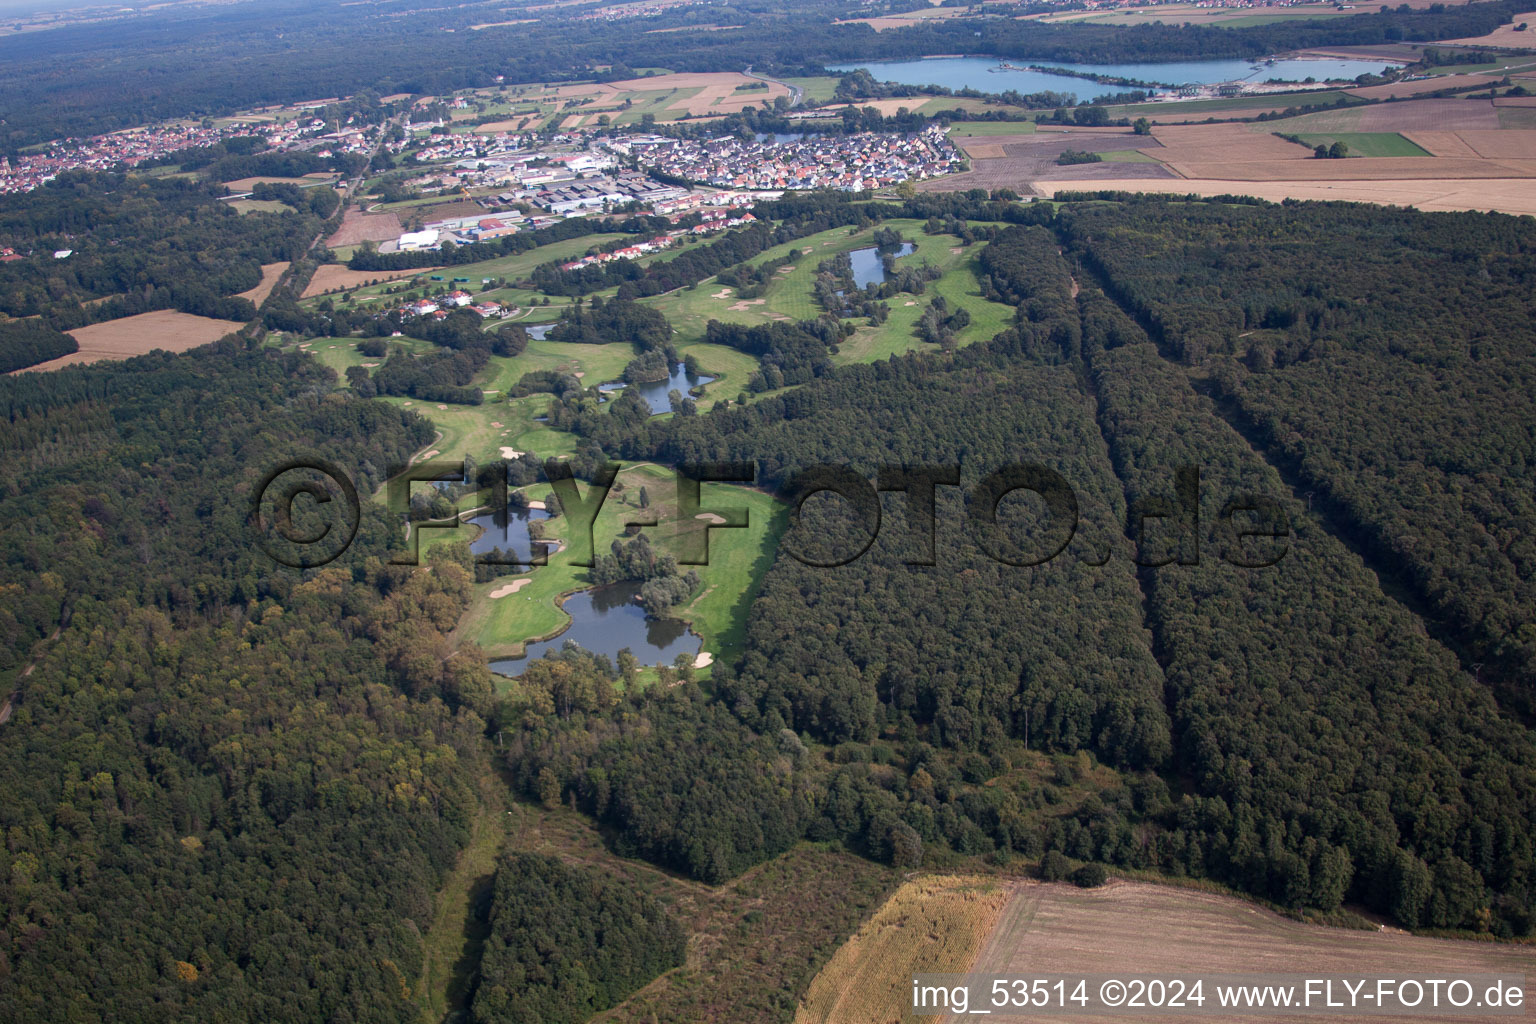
pixel 985 73
pixel 538 332
pixel 656 392
pixel 514 538
pixel 605 620
pixel 869 263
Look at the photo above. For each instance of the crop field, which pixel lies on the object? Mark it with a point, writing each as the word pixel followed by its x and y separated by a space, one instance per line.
pixel 246 184
pixel 1502 195
pixel 934 924
pixel 1371 143
pixel 1013 161
pixel 331 277
pixel 136 335
pixel 1061 929
pixel 357 227
pixel 1505 35
pixel 270 273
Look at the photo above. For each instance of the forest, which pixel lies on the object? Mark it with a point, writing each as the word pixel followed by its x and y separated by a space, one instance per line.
pixel 210 751
pixel 139 244
pixel 568 942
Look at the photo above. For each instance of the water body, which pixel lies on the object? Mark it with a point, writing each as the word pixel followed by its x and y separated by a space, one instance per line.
pixel 539 331
pixel 869 264
pixel 605 620
pixel 514 538
pixel 982 73
pixel 655 392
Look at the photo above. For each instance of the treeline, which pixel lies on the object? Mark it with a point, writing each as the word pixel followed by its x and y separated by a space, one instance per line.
pixel 187 817
pixel 26 343
pixel 568 942
pixel 444 376
pixel 661 275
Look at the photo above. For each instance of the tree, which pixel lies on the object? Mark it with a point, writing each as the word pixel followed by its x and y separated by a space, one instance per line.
pixel 1054 866
pixel 1339 150
pixel 1142 126
pixel 645 497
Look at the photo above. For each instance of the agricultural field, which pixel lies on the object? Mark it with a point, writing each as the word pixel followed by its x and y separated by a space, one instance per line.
pixel 934 924
pixel 331 277
pixel 1370 143
pixel 135 335
pixel 270 274
pixel 1058 929
pixel 244 206
pixel 1502 195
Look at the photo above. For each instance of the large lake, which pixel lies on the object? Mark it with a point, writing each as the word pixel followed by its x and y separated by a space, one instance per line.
pixel 605 620
pixel 982 73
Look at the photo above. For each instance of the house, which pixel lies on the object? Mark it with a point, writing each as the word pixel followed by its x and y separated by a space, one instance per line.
pixel 456 299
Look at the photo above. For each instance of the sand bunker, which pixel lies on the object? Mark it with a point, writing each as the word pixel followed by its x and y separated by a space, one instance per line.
pixel 704 660
pixel 723 293
pixel 510 453
pixel 494 423
pixel 744 304
pixel 536 504
pixel 710 517
pixel 510 588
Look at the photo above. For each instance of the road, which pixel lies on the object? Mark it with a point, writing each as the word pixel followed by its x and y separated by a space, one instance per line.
pixel 796 94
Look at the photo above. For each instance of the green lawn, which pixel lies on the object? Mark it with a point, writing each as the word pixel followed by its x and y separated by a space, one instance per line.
pixel 1369 143
pixel 1128 156
pixel 817 90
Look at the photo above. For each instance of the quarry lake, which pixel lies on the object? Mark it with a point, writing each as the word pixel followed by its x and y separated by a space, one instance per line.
pixel 605 620
pixel 987 75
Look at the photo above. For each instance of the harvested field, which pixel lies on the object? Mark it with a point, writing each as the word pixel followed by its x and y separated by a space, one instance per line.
pixel 934 924
pixel 999 161
pixel 1428 115
pixel 1134 928
pixel 1441 143
pixel 358 227
pixel 1435 84
pixel 1515 101
pixel 136 335
pixel 246 184
pixel 334 275
pixel 1505 35
pixel 1511 144
pixel 1505 195
pixel 270 272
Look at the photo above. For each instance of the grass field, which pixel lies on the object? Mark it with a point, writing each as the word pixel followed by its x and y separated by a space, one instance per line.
pixel 983 128
pixel 244 206
pixel 934 924
pixel 1369 143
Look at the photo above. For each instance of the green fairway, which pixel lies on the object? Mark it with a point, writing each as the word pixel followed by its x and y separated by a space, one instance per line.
pixel 790 296
pixel 1369 143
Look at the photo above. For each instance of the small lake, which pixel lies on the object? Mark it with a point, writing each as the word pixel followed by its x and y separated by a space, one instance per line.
pixel 538 332
pixel 514 538
pixel 983 73
pixel 656 392
pixel 869 263
pixel 605 620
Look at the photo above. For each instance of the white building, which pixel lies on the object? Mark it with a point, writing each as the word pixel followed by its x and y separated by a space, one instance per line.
pixel 412 241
